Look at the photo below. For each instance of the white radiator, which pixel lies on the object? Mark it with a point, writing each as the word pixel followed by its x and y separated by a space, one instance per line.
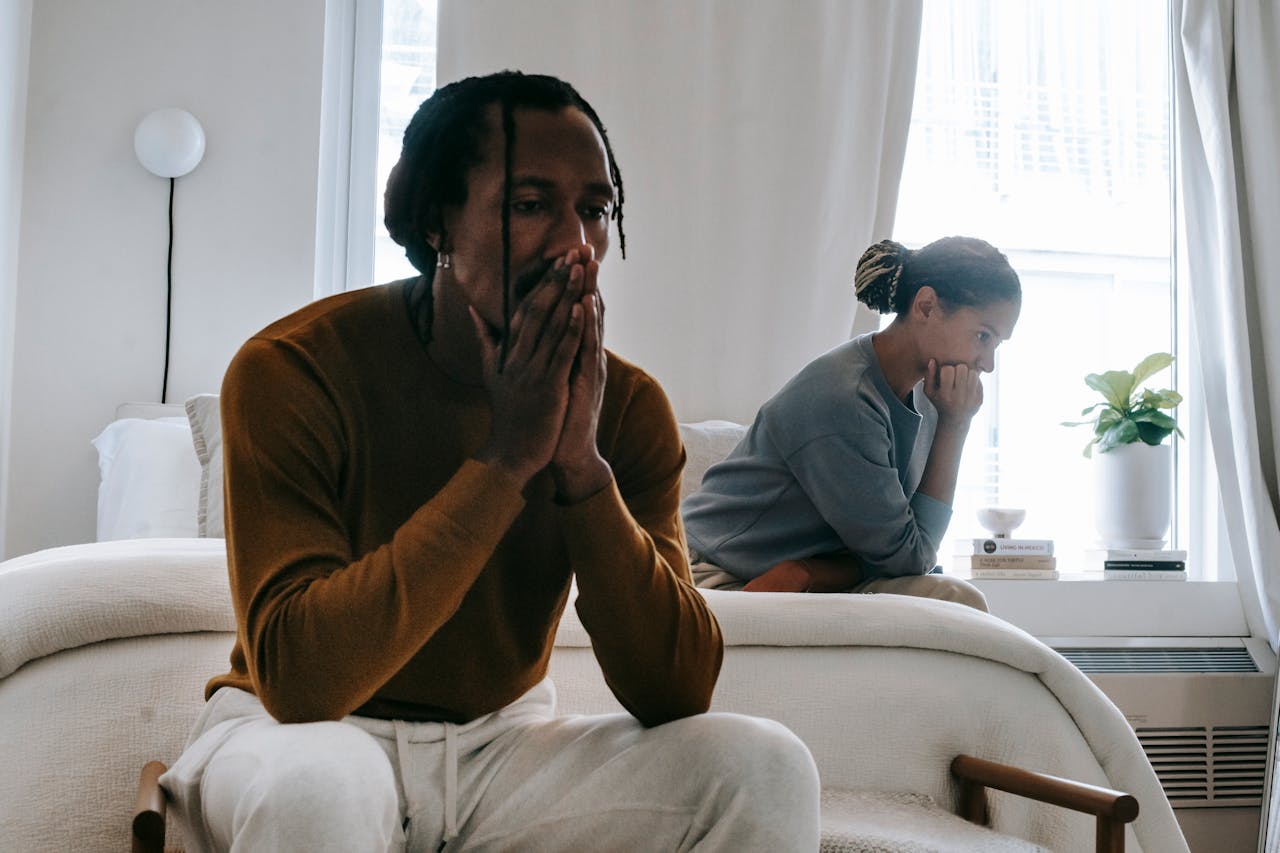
pixel 1201 707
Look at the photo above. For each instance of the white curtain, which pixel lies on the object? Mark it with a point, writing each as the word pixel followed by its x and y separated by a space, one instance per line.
pixel 1227 63
pixel 761 146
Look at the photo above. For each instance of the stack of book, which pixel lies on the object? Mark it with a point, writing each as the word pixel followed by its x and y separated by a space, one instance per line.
pixel 1020 559
pixel 1138 564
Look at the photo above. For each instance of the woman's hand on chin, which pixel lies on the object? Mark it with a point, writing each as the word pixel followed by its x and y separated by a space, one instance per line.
pixel 955 391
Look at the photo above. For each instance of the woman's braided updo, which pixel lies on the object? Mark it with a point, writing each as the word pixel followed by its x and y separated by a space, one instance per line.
pixel 963 271
pixel 879 273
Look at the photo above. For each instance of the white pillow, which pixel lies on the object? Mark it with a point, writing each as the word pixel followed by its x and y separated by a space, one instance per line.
pixel 150 479
pixel 206 434
pixel 705 444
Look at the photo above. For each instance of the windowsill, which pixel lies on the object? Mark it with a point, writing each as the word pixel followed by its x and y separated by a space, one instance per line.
pixel 1080 577
pixel 1082 605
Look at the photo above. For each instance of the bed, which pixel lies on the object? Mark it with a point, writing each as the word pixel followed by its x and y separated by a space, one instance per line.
pixel 105 648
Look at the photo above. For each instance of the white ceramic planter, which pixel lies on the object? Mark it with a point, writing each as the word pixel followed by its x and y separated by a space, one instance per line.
pixel 1133 495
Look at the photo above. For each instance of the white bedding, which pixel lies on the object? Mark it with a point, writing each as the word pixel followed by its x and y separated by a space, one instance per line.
pixel 65 598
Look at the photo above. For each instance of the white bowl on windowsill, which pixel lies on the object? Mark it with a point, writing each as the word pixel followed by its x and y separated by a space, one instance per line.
pixel 1001 521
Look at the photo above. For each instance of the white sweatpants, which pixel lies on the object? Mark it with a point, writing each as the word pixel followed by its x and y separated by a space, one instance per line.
pixel 519 779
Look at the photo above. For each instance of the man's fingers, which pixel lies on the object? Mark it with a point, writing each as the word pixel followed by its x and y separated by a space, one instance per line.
pixel 566 351
pixel 559 316
pixel 557 324
pixel 488 350
pixel 531 319
pixel 543 318
pixel 591 335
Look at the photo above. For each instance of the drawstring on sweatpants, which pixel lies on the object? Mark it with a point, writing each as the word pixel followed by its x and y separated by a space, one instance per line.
pixel 402 750
pixel 450 775
pixel 450 783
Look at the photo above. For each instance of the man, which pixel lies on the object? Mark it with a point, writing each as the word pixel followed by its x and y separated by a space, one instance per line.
pixel 414 474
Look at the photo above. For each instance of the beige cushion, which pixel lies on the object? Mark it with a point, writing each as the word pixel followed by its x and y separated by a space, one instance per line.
pixel 206 434
pixel 706 443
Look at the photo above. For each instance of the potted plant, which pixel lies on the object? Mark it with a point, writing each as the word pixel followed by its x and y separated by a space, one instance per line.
pixel 1133 478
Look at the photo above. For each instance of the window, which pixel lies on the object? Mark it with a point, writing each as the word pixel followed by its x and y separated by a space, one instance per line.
pixel 1045 129
pixel 408 74
pixel 379 65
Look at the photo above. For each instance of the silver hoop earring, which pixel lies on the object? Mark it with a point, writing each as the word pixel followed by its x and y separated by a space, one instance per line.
pixel 444 261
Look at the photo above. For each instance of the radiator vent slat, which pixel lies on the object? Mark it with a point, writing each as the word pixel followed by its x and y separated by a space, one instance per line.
pixel 1201 765
pixel 1153 660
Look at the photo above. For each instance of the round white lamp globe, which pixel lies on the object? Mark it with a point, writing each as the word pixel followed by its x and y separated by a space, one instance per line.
pixel 169 142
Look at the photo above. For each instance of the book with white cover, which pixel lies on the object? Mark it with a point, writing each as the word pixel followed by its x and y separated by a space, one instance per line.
pixel 1143 575
pixel 1145 565
pixel 1003 546
pixel 1006 561
pixel 1100 555
pixel 1016 574
pixel 1136 559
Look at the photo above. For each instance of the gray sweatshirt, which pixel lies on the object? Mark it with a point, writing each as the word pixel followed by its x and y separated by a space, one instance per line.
pixel 830 465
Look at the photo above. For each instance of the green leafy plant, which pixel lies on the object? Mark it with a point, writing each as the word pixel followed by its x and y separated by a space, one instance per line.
pixel 1129 414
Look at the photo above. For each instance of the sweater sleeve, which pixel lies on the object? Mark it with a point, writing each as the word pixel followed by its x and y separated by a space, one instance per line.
pixel 851 481
pixel 653 634
pixel 321 628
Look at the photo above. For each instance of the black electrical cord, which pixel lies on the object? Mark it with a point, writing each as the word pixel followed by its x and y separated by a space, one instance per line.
pixel 168 307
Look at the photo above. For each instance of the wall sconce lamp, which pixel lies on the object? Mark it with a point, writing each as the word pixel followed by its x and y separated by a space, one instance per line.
pixel 169 143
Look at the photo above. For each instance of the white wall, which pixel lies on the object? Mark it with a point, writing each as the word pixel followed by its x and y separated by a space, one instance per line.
pixel 15 31
pixel 90 296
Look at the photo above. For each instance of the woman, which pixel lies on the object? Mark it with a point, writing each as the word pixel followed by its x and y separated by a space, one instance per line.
pixel 845 479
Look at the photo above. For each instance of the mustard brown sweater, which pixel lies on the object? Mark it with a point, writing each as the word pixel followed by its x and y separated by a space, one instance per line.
pixel 377 568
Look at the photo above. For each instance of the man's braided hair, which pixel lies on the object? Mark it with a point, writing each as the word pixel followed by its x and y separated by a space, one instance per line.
pixel 442 143
pixel 963 271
